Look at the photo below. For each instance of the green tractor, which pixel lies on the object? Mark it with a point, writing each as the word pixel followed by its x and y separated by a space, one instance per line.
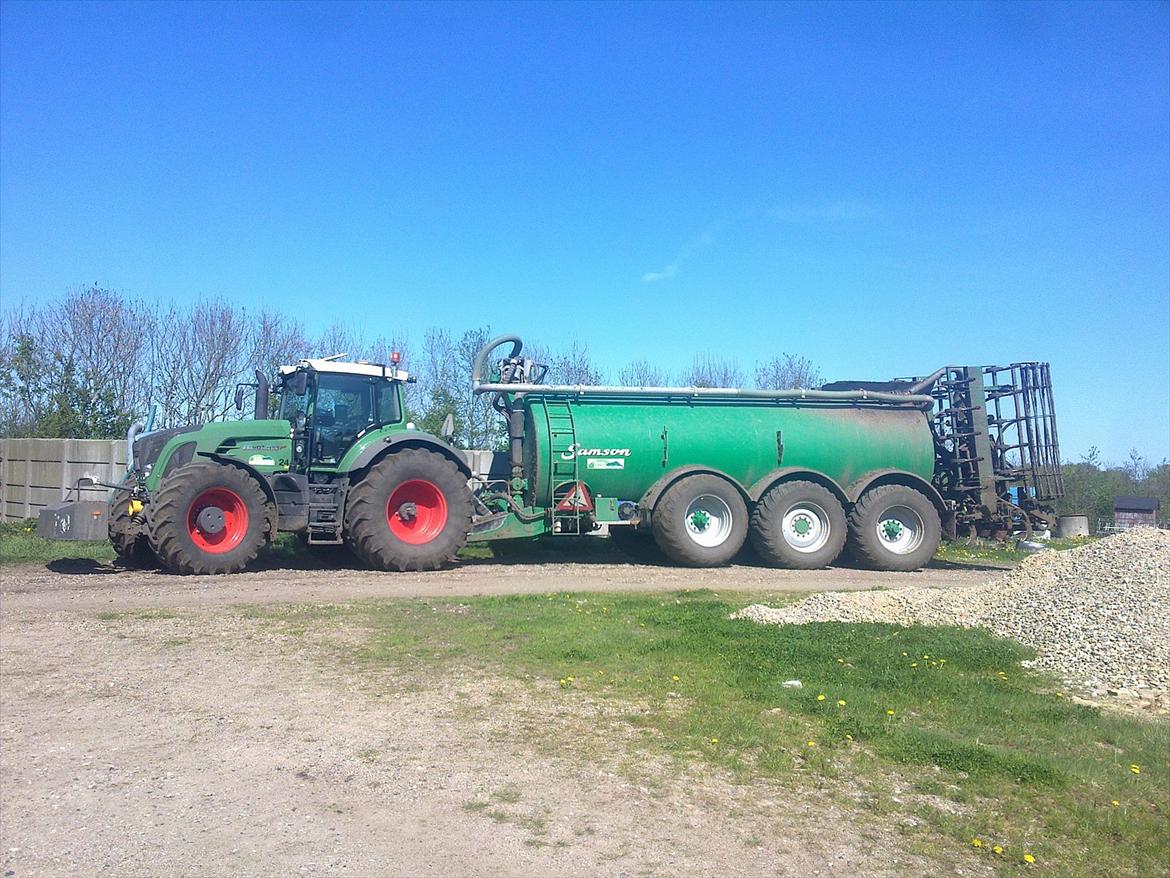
pixel 333 459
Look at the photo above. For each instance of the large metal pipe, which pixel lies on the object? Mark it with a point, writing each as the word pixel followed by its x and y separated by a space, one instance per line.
pixel 131 434
pixel 913 400
pixel 261 410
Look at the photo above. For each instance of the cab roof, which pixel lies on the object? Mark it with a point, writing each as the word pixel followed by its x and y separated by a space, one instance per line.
pixel 373 370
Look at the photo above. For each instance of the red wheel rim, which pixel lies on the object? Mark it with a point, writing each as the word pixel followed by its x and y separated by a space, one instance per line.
pixel 235 520
pixel 417 511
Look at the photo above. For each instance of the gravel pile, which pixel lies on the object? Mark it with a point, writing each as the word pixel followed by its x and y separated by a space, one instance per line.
pixel 1098 615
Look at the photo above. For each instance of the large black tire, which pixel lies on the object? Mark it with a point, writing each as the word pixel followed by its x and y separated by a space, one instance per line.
pixel 637 543
pixel 186 541
pixel 431 518
pixel 700 521
pixel 799 525
pixel 128 533
pixel 893 527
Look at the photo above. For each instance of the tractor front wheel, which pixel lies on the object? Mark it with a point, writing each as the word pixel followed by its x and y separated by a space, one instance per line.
pixel 412 511
pixel 208 518
pixel 127 532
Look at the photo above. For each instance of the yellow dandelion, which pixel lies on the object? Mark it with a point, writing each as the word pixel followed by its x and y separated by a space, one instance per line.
pixel 925 656
pixel 998 849
pixel 848 737
pixel 812 743
pixel 1060 695
pixel 840 661
pixel 641 624
pixel 570 679
pixel 1115 803
pixel 905 653
pixel 840 702
pixel 821 697
pixel 674 677
pixel 889 713
pixel 977 842
pixel 1136 769
pixel 714 740
pixel 913 664
pixel 1028 858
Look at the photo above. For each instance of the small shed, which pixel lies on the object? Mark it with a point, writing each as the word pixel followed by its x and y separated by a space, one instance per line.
pixel 1134 512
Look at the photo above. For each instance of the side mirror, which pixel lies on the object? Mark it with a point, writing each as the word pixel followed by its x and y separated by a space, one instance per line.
pixel 448 428
pixel 300 383
pixel 85 482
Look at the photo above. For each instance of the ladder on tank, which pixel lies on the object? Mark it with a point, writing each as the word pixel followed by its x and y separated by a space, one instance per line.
pixel 566 476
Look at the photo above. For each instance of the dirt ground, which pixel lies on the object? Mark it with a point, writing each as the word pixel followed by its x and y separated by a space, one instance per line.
pixel 198 741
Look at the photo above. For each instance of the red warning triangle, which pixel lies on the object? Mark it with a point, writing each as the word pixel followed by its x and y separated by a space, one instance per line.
pixel 577 500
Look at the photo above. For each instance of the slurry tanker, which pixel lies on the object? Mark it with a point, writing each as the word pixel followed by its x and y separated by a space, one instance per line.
pixel 886 469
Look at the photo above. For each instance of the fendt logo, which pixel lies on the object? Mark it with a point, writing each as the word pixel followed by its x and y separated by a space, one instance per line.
pixel 577 450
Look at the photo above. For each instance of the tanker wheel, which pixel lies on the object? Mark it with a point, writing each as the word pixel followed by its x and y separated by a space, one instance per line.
pixel 700 521
pixel 128 533
pixel 799 525
pixel 893 527
pixel 636 542
pixel 412 511
pixel 208 518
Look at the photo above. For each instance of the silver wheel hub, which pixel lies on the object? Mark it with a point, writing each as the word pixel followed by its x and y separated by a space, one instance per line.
pixel 900 530
pixel 708 521
pixel 806 527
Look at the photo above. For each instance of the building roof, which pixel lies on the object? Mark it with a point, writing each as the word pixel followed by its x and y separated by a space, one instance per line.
pixel 1136 504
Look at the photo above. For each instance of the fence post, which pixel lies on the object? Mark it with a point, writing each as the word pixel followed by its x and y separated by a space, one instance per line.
pixel 27 480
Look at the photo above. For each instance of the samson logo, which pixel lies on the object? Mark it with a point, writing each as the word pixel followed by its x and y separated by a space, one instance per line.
pixel 576 450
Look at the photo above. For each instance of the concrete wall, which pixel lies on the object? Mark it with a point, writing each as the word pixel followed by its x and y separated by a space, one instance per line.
pixel 37 472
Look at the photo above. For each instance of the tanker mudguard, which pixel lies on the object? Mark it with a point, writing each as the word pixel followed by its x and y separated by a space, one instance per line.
pixel 789 473
pixel 655 491
pixel 895 477
pixel 410 439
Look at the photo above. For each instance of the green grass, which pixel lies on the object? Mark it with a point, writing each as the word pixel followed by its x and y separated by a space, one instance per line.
pixel 19 544
pixel 1023 767
pixel 981 551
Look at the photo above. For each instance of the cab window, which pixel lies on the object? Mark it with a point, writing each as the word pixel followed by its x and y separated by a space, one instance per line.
pixel 388 409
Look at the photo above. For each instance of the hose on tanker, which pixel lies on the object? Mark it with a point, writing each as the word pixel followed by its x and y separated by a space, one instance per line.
pixel 516 508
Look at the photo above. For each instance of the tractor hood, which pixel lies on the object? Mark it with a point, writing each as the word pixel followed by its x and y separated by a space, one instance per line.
pixel 148 446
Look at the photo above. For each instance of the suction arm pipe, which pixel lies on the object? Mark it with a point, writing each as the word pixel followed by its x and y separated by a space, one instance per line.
pixel 478 385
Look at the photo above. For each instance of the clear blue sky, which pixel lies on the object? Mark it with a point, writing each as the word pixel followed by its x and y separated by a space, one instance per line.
pixel 883 188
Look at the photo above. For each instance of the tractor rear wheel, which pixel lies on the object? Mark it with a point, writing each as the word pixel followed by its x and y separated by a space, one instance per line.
pixel 700 521
pixel 208 518
pixel 127 532
pixel 893 527
pixel 799 525
pixel 412 511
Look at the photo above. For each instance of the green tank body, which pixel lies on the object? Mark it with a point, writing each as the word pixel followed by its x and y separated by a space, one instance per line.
pixel 619 447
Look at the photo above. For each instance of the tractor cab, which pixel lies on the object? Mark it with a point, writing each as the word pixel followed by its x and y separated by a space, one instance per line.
pixel 332 404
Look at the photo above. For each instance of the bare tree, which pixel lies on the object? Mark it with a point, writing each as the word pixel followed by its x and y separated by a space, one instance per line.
pixel 708 370
pixel 573 365
pixel 787 371
pixel 206 360
pixel 640 373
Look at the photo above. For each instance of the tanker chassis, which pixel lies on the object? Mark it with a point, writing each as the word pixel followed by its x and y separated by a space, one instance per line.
pixel 886 469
